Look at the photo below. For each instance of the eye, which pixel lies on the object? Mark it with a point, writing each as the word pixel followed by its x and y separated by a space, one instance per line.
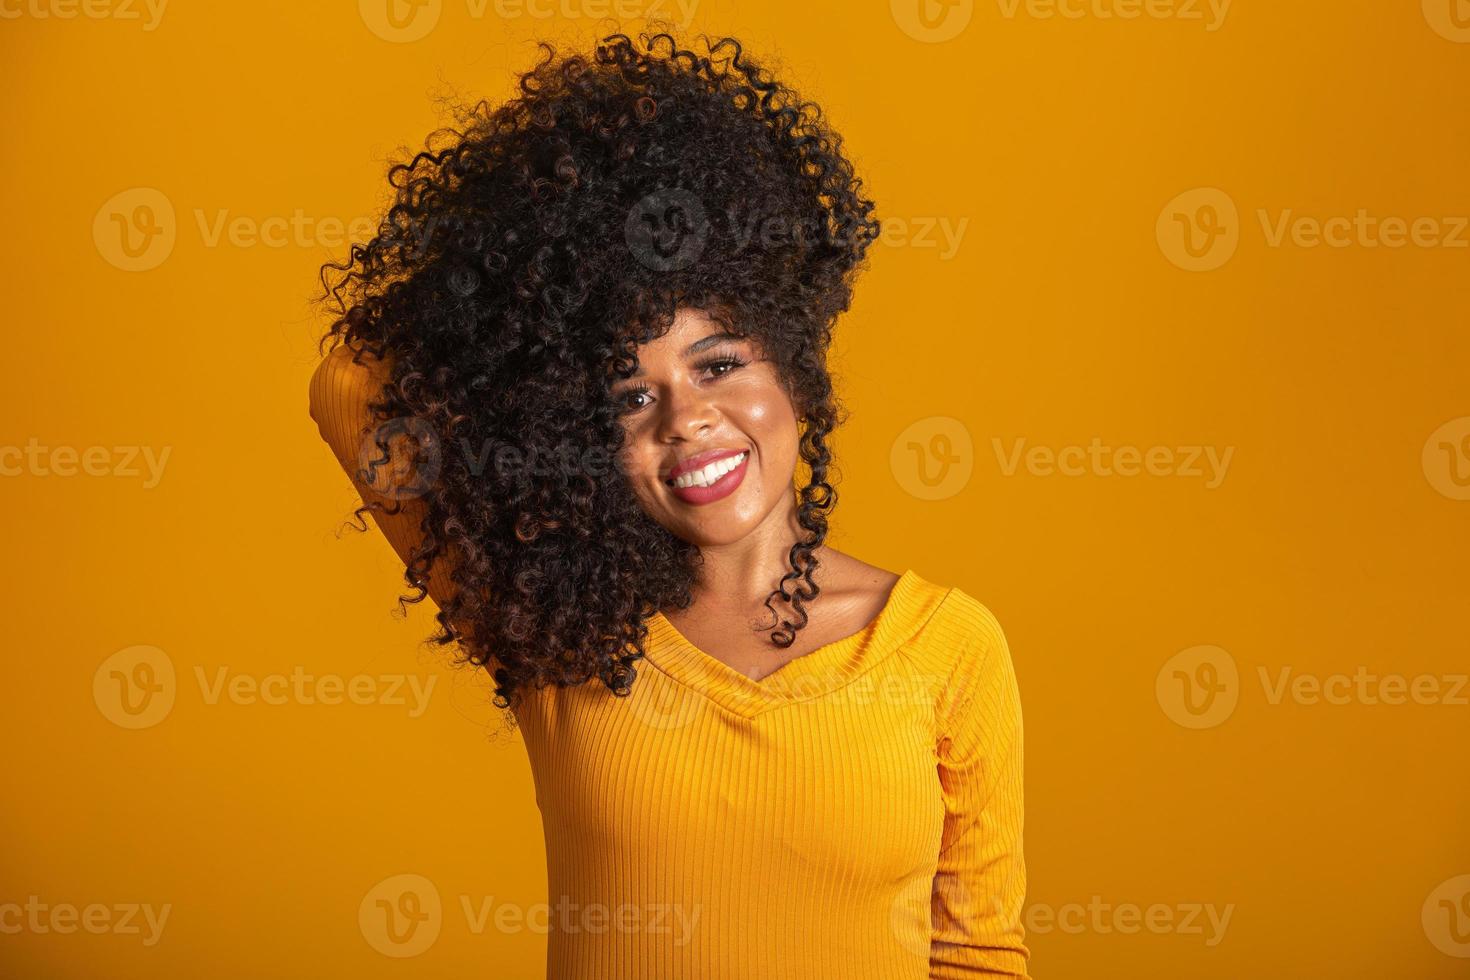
pixel 718 367
pixel 623 399
pixel 730 362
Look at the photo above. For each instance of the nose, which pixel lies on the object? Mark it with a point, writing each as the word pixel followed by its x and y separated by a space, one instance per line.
pixel 686 413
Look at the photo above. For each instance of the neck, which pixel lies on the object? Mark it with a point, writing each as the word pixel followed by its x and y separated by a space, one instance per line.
pixel 749 569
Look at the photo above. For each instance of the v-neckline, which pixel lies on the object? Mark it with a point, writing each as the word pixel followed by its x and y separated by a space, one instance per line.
pixel 802 678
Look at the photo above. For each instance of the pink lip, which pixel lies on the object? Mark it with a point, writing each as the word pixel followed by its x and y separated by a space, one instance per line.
pixel 699 461
pixel 722 487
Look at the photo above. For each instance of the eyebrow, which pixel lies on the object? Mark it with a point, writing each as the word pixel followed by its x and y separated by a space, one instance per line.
pixel 703 344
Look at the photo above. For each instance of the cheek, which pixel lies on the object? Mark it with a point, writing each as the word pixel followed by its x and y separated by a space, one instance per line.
pixel 638 463
pixel 763 403
pixel 771 418
pixel 770 422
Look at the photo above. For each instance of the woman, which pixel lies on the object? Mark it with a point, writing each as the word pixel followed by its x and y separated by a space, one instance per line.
pixel 586 355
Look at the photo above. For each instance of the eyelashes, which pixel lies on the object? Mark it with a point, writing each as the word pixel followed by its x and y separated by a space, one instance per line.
pixel 731 362
pixel 724 360
pixel 623 405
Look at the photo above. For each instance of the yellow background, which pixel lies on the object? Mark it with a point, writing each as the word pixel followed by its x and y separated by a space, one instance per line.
pixel 1335 543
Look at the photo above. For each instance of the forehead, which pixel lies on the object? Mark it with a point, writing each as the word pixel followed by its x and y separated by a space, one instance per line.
pixel 689 324
pixel 691 333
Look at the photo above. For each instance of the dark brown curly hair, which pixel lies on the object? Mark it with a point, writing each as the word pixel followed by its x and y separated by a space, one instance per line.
pixel 525 256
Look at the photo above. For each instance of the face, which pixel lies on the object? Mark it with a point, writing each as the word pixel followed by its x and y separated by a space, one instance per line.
pixel 700 399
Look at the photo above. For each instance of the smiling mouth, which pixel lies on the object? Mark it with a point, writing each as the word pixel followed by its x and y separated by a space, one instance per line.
pixel 709 475
pixel 710 483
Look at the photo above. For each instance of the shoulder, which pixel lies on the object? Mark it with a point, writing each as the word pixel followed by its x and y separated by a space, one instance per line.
pixel 956 621
pixel 968 649
pixel 967 617
pixel 345 372
pixel 341 389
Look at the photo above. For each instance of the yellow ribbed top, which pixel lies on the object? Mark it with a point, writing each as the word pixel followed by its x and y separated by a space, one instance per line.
pixel 854 815
pixel 857 814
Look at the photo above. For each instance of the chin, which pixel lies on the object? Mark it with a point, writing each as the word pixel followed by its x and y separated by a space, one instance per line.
pixel 726 533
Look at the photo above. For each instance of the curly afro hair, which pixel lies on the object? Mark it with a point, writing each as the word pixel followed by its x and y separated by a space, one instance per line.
pixel 520 264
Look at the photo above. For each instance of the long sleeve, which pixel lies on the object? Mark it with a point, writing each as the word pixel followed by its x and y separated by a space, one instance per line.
pixel 980 884
pixel 339 393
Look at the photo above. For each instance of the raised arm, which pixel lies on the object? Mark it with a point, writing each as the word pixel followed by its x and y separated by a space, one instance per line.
pixel 339 394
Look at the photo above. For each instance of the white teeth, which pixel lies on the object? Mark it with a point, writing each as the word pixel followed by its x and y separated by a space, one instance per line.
pixel 709 474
